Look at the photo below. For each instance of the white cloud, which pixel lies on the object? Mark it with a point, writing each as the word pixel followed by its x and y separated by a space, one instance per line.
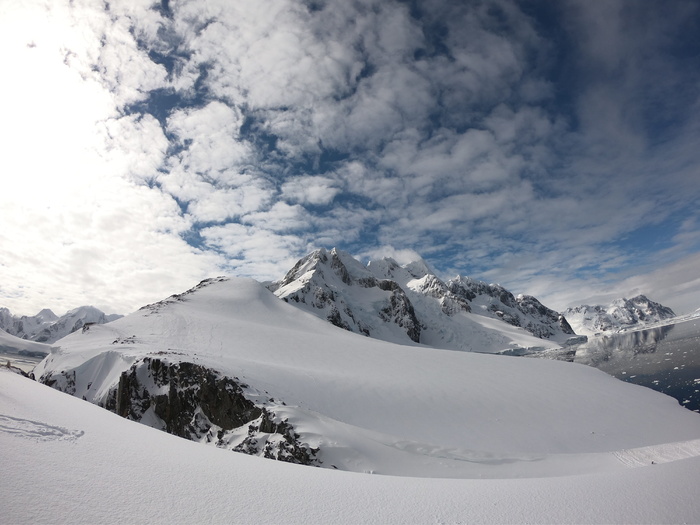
pixel 75 229
pixel 352 124
pixel 401 256
pixel 310 190
pixel 211 138
pixel 256 252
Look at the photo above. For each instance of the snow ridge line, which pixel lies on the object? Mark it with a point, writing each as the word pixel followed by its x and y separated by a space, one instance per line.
pixel 656 454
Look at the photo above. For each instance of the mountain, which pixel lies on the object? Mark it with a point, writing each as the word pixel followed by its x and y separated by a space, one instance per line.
pixel 409 304
pixel 229 365
pixel 47 327
pixel 621 314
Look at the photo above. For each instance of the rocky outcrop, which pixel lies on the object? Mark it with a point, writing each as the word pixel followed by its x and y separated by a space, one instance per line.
pixel 200 404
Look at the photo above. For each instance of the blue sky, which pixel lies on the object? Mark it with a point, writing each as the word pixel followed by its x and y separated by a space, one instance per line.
pixel 551 147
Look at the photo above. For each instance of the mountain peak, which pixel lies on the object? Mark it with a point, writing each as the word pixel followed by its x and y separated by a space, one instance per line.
pixel 47 315
pixel 620 314
pixel 408 303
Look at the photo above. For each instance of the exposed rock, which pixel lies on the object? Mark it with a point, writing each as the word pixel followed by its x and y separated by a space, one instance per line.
pixel 200 404
pixel 386 300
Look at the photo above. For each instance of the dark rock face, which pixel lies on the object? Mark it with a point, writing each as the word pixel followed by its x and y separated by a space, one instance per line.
pixel 285 449
pixel 400 311
pixel 524 311
pixel 531 306
pixel 200 404
pixel 190 389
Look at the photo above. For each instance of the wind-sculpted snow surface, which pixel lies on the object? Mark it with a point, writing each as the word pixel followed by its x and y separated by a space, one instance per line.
pixel 409 304
pixel 230 365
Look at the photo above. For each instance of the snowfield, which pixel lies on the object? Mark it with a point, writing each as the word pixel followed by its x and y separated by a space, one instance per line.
pixel 68 461
pixel 449 436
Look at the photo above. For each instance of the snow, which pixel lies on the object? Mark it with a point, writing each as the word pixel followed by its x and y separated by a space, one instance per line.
pixel 46 327
pixel 413 305
pixel 620 315
pixel 21 353
pixel 67 461
pixel 455 436
pixel 12 344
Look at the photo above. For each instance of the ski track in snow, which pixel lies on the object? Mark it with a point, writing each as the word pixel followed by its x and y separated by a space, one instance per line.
pixel 656 454
pixel 35 430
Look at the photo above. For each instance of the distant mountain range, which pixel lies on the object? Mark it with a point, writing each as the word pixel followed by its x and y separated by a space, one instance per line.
pixel 409 304
pixel 621 314
pixel 47 327
pixel 406 304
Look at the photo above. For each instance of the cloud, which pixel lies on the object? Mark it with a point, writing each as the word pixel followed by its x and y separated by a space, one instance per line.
pixel 315 191
pixel 401 256
pixel 253 251
pixel 549 148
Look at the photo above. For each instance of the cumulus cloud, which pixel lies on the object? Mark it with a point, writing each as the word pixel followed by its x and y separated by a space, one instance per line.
pixel 310 190
pixel 479 135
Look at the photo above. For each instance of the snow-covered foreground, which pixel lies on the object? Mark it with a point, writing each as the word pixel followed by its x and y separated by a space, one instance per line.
pixel 586 447
pixel 67 461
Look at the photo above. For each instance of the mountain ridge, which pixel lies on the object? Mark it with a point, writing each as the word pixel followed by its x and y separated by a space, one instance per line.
pixel 47 327
pixel 409 304
pixel 621 314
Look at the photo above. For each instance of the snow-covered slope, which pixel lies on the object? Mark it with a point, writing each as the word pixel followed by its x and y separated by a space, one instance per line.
pixel 14 345
pixel 621 314
pixel 409 303
pixel 229 364
pixel 67 461
pixel 47 327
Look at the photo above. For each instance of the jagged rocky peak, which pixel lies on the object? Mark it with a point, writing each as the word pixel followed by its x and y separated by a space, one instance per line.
pixel 409 302
pixel 641 309
pixel 321 283
pixel 620 314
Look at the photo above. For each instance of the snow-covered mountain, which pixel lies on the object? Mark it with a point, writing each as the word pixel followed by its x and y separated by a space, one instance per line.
pixel 47 327
pixel 405 304
pixel 621 314
pixel 230 365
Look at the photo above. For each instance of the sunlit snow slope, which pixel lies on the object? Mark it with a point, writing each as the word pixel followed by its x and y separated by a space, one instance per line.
pixel 67 461
pixel 373 406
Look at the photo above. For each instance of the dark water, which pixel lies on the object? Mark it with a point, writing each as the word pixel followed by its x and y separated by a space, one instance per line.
pixel 666 359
